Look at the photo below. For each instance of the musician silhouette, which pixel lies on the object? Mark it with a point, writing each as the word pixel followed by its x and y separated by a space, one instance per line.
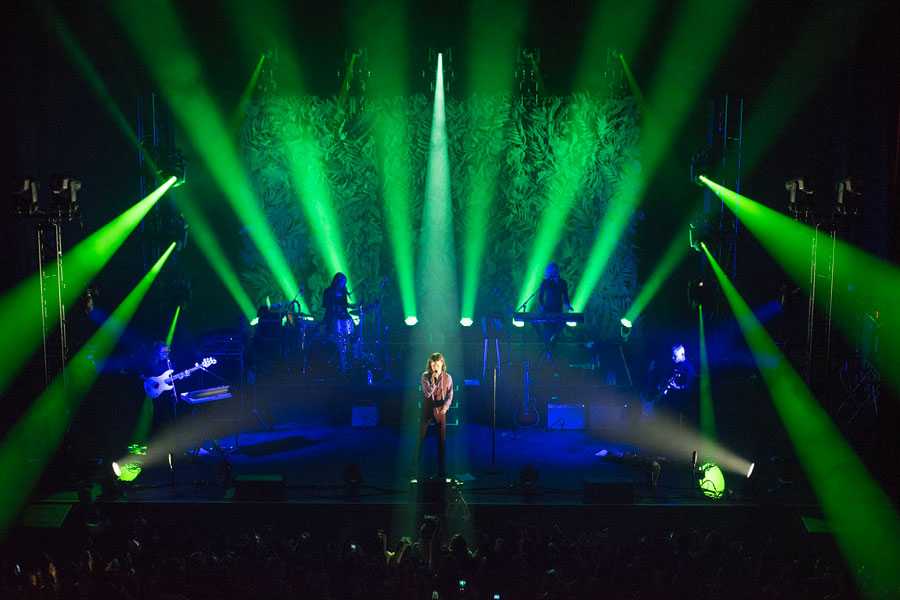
pixel 670 386
pixel 157 412
pixel 553 298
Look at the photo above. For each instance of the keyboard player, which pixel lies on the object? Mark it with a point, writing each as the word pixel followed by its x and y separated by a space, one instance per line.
pixel 553 298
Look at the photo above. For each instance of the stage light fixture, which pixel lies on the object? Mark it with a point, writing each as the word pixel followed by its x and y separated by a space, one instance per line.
pixel 750 469
pixel 518 323
pixel 699 293
pixel 25 198
pixel 466 322
pixel 800 206
pixel 571 324
pixel 411 320
pixel 65 194
pixel 711 480
pixel 625 328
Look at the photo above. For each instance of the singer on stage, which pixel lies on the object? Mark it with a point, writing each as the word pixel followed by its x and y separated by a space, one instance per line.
pixel 437 396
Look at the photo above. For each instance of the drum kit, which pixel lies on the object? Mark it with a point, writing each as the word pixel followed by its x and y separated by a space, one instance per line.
pixel 342 346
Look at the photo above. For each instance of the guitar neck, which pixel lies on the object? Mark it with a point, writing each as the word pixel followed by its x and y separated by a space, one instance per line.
pixel 185 373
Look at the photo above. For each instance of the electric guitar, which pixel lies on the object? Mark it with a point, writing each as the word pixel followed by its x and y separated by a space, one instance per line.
pixel 154 386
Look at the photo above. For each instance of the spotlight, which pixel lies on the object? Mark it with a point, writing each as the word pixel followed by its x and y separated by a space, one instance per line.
pixel 411 320
pixel 699 293
pixel 848 198
pixel 701 163
pixel 750 470
pixel 571 324
pixel 625 329
pixel 711 480
pixel 117 470
pixel 65 194
pixel 25 198
pixel 799 206
pixel 517 323
pixel 466 322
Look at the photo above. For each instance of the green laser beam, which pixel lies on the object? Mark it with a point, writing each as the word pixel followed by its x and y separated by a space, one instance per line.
pixel 84 65
pixel 864 522
pixel 863 284
pixel 82 263
pixel 160 40
pixel 495 32
pixel 382 29
pixel 573 154
pixel 210 247
pixel 29 445
pixel 202 231
pixel 688 58
pixel 787 91
pixel 240 110
pixel 171 334
pixel 707 411
pixel 299 142
pixel 671 258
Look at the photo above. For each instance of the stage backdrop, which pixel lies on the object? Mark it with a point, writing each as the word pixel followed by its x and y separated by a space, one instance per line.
pixel 534 148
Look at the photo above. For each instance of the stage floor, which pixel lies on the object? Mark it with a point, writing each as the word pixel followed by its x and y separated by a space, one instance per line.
pixel 312 460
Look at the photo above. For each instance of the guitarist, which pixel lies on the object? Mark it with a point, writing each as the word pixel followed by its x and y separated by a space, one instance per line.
pixel 162 408
pixel 437 397
pixel 672 384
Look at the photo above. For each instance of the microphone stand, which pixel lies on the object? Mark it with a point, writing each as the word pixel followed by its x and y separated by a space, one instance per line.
pixel 524 305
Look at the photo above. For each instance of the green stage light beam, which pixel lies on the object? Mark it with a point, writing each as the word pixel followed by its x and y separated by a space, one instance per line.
pixel 382 29
pixel 565 183
pixel 611 24
pixel 615 26
pixel 707 411
pixel 84 65
pixel 212 251
pixel 82 263
pixel 861 516
pixel 687 60
pixel 311 186
pixel 160 41
pixel 495 31
pixel 863 283
pixel 812 60
pixel 31 442
pixel 672 257
pixel 299 141
pixel 437 274
pixel 632 82
pixel 247 95
pixel 171 334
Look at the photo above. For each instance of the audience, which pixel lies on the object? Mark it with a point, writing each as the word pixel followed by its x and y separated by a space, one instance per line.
pixel 144 561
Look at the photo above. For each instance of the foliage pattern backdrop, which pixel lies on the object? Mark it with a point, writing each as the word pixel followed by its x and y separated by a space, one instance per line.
pixel 535 143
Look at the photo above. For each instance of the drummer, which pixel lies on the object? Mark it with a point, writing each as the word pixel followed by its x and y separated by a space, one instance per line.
pixel 336 301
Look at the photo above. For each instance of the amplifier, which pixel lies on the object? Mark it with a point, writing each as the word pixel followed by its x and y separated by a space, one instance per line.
pixel 566 416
